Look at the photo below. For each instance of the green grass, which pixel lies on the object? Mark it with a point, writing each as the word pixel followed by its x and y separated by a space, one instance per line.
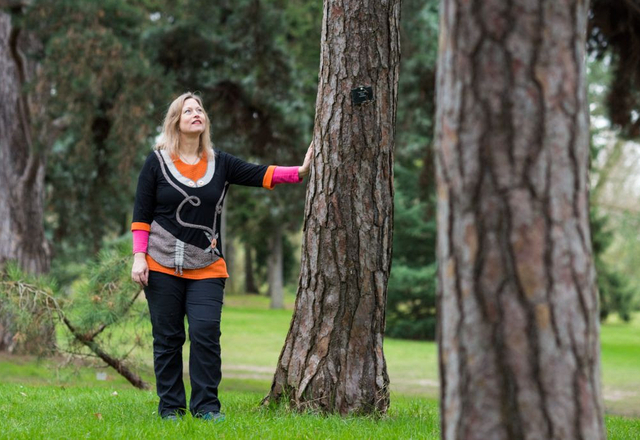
pixel 253 336
pixel 622 428
pixel 75 412
pixel 620 350
pixel 88 412
pixel 66 399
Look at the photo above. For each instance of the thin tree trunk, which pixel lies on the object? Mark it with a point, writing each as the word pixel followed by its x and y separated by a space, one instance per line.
pixel 332 359
pixel 22 163
pixel 276 291
pixel 22 170
pixel 604 174
pixel 228 250
pixel 249 279
pixel 518 328
pixel 230 259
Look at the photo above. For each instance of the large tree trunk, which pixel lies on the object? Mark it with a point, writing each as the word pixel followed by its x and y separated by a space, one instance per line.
pixel 518 330
pixel 276 288
pixel 332 359
pixel 22 169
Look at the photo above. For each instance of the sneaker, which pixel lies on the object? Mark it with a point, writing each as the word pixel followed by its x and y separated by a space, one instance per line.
pixel 214 417
pixel 173 417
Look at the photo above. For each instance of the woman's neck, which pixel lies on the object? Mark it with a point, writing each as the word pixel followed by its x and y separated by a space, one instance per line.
pixel 189 145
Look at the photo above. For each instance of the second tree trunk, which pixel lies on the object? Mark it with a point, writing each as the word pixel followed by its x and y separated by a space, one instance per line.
pixel 332 359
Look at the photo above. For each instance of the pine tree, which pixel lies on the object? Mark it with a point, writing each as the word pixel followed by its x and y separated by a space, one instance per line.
pixel 332 359
pixel 519 332
pixel 104 97
pixel 23 148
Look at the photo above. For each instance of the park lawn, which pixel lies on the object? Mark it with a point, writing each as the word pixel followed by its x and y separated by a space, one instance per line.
pixel 251 341
pixel 620 349
pixel 49 411
pixel 82 412
pixel 29 411
pixel 252 337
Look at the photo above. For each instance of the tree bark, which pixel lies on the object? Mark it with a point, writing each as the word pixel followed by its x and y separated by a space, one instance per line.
pixel 22 162
pixel 22 170
pixel 276 291
pixel 229 252
pixel 249 278
pixel 518 328
pixel 332 360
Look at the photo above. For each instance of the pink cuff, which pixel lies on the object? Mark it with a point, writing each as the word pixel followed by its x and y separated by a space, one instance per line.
pixel 286 175
pixel 140 241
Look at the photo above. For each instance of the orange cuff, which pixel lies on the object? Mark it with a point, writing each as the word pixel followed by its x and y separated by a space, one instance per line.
pixel 140 226
pixel 267 181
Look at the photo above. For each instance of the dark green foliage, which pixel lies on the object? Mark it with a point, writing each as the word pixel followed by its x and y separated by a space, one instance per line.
pixel 412 290
pixel 101 107
pixel 261 244
pixel 411 300
pixel 232 55
pixel 614 31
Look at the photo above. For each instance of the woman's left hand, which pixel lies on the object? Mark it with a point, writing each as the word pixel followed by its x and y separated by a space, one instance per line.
pixel 303 171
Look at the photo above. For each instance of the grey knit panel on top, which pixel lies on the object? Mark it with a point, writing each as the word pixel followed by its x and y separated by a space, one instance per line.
pixel 167 250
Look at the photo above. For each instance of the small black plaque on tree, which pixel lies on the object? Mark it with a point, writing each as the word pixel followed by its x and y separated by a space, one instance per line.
pixel 361 94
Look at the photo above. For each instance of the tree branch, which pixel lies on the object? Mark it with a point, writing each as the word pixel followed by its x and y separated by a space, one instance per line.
pixel 92 336
pixel 116 364
pixel 51 303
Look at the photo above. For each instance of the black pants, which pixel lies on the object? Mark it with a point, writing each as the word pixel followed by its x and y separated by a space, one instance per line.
pixel 171 298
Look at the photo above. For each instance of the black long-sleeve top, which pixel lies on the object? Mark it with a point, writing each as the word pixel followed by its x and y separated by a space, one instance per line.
pixel 157 200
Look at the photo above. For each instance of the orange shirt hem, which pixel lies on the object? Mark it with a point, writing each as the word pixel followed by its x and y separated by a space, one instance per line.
pixel 214 270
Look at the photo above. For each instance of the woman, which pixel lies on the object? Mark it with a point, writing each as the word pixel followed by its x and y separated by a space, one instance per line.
pixel 177 251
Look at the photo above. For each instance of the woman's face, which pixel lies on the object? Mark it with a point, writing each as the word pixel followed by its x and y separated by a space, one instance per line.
pixel 192 118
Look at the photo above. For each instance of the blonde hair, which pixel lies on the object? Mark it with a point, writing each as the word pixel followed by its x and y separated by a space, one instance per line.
pixel 170 138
